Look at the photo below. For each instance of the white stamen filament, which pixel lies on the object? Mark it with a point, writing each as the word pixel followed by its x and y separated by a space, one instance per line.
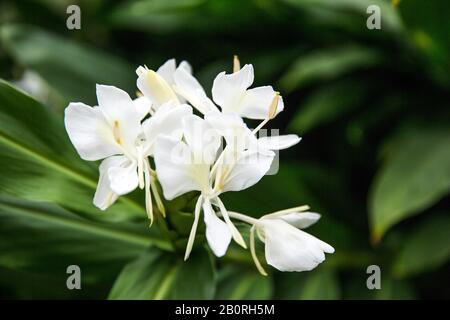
pixel 253 252
pixel 191 239
pixel 286 211
pixel 234 231
pixel 155 192
pixel 148 197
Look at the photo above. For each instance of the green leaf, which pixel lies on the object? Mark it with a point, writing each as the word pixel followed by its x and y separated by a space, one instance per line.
pixel 389 21
pixel 158 275
pixel 327 104
pixel 426 248
pixel 321 283
pixel 68 67
pixel 429 32
pixel 327 64
pixel 38 162
pixel 415 176
pixel 45 239
pixel 237 282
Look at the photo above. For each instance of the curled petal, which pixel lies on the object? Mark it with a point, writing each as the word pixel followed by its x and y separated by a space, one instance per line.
pixel 124 178
pixel 104 195
pixel 290 249
pixel 256 103
pixel 228 89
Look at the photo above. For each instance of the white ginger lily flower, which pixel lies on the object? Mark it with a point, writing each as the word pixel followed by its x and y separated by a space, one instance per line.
pixel 287 247
pixel 157 86
pixel 173 84
pixel 238 136
pixel 185 165
pixel 231 93
pixel 112 131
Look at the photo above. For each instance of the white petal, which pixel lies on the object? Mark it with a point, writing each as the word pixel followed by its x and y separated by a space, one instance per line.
pixel 201 138
pixel 121 113
pixel 301 220
pixel 217 232
pixel 123 178
pixel 229 89
pixel 142 106
pixel 154 87
pixel 176 172
pixel 232 128
pixel 167 120
pixel 290 249
pixel 279 142
pixel 190 89
pixel 185 66
pixel 256 103
pixel 249 169
pixel 104 196
pixel 89 132
pixel 166 70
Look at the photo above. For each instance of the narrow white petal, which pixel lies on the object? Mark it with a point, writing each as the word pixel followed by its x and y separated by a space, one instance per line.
pixel 228 89
pixel 185 66
pixel 190 89
pixel 167 70
pixel 217 232
pixel 279 142
pixel 89 132
pixel 290 249
pixel 301 220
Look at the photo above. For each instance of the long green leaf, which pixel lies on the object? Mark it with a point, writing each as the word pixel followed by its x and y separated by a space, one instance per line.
pixel 416 175
pixel 70 68
pixel 327 64
pixel 426 248
pixel 37 161
pixel 238 282
pixel 45 239
pixel 158 275
pixel 321 283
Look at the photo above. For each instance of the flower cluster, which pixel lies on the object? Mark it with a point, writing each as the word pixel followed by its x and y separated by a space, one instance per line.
pixel 196 144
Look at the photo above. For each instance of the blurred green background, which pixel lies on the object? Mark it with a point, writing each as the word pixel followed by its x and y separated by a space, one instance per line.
pixel 372 107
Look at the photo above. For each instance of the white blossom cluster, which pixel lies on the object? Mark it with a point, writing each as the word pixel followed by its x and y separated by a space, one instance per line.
pixel 196 144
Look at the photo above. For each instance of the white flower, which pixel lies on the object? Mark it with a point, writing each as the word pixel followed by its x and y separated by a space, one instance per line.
pixel 231 93
pixel 113 131
pixel 191 164
pixel 173 84
pixel 287 247
pixel 157 86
